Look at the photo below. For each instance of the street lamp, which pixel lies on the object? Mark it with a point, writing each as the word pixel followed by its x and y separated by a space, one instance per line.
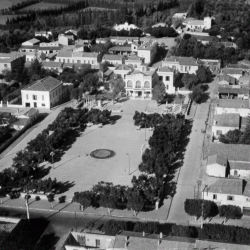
pixel 128 163
pixel 52 154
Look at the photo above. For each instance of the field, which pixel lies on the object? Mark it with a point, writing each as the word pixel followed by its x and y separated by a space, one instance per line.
pixel 43 6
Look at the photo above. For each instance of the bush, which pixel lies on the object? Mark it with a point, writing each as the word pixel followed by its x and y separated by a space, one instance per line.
pixel 27 197
pixel 50 197
pixel 149 227
pixel 196 94
pixel 230 212
pixel 62 199
pixel 231 137
pixel 113 227
pixel 38 198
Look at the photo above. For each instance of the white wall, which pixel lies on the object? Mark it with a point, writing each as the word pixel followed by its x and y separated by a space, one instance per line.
pixel 239 200
pixel 145 54
pixel 242 111
pixel 169 84
pixel 216 170
pixel 241 173
pixel 83 60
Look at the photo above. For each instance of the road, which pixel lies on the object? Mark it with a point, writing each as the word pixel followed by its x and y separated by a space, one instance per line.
pixel 60 222
pixel 189 173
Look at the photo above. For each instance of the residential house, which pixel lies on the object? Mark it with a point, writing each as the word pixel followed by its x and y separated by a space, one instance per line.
pixel 46 34
pixel 147 51
pixel 182 64
pixel 121 40
pixel 236 73
pixel 223 106
pixel 122 50
pixel 213 65
pixel 51 65
pixel 25 118
pixel 10 61
pixel 125 26
pixel 123 70
pixel 233 92
pixel 227 80
pixel 239 169
pixel 69 56
pixel 139 83
pixel 167 76
pixel 199 25
pixel 217 165
pixel 134 60
pixel 48 49
pixel 44 93
pixel 228 191
pixel 113 59
pixel 225 122
pixel 244 79
pixel 65 40
pixel 102 40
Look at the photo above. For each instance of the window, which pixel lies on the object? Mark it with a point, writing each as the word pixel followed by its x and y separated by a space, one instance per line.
pixel 92 62
pixel 230 198
pixel 160 78
pixel 138 84
pixel 27 96
pixel 72 61
pixel 68 60
pixel 235 172
pixel 63 60
pixel 5 65
pixel 59 60
pixel 43 97
pixel 189 67
pixel 214 196
pixel 185 68
pixel 78 61
pixel 129 84
pixel 167 78
pixel 97 243
pixel 34 97
pixel 147 84
pixel 167 87
pixel 43 104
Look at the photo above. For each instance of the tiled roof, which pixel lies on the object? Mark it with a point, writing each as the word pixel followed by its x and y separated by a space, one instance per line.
pixel 123 67
pixel 237 152
pixel 21 122
pixel 33 40
pixel 51 64
pixel 31 112
pixel 112 57
pixel 46 84
pixel 230 90
pixel 65 53
pixel 232 71
pixel 121 48
pixel 227 78
pixel 232 103
pixel 221 160
pixel 165 69
pixel 227 186
pixel 182 60
pixel 50 48
pixel 133 58
pixel 239 165
pixel 227 120
pixel 29 47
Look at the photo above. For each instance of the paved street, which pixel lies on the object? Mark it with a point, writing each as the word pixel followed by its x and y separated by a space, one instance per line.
pixel 189 172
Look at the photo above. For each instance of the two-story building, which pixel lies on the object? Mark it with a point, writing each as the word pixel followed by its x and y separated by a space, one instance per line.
pixel 147 51
pixel 182 64
pixel 134 61
pixel 44 93
pixel 122 70
pixel 167 76
pixel 139 83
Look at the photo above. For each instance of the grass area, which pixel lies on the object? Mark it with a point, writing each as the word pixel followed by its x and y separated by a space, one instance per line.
pixel 43 6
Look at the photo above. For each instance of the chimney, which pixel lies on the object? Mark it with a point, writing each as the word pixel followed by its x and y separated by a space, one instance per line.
pixel 143 234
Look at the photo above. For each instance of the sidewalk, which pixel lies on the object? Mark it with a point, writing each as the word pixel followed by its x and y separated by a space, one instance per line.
pixel 67 207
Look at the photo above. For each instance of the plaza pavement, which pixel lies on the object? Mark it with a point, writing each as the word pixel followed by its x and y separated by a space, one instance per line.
pixel 80 172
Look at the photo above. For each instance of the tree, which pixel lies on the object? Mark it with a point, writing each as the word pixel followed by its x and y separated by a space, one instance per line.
pixel 196 94
pixel 231 137
pixel 159 92
pixel 135 200
pixel 50 199
pixel 245 139
pixel 230 212
pixel 118 86
pixel 112 227
pixel 189 80
pixel 203 74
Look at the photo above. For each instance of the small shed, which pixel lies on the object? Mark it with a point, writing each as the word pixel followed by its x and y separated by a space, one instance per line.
pixel 217 166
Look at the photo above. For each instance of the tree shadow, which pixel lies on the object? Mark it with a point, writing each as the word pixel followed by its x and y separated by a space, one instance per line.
pixel 114 118
pixel 41 172
pixel 62 187
pixel 47 242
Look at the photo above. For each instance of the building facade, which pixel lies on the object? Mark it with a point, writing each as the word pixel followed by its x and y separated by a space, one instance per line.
pixel 167 76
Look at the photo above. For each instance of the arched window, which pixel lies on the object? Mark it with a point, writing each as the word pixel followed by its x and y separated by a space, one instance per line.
pixel 129 84
pixel 138 84
pixel 146 84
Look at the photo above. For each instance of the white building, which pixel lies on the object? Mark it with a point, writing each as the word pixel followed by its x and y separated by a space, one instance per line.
pixel 223 106
pixel 139 83
pixel 64 40
pixel 125 26
pixel 182 64
pixel 123 70
pixel 225 122
pixel 43 33
pixel 216 165
pixel 113 59
pixel 199 24
pixel 147 51
pixel 167 75
pixel 240 169
pixel 226 191
pixel 44 93
pixel 31 42
pixel 69 56
pixel 134 61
